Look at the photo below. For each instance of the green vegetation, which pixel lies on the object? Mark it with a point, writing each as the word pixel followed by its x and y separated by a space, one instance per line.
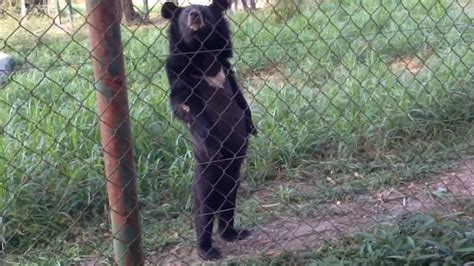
pixel 330 89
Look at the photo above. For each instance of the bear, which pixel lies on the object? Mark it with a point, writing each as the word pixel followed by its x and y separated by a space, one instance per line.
pixel 205 95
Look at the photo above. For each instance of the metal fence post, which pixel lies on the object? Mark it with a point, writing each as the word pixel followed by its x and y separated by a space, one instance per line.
pixel 116 136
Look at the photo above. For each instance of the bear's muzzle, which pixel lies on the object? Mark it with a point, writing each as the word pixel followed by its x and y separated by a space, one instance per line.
pixel 195 20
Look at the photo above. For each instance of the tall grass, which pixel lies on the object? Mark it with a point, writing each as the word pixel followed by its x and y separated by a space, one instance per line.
pixel 339 105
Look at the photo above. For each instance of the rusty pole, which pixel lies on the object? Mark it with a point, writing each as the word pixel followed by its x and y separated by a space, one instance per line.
pixel 116 136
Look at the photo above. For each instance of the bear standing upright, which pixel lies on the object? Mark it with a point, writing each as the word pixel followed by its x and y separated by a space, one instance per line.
pixel 205 95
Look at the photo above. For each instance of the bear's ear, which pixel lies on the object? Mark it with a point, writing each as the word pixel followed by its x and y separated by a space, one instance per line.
pixel 221 4
pixel 168 10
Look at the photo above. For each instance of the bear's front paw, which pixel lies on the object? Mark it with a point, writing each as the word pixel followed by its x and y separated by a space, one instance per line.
pixel 183 113
pixel 184 107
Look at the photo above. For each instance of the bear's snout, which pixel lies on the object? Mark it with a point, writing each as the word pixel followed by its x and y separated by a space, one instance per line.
pixel 195 21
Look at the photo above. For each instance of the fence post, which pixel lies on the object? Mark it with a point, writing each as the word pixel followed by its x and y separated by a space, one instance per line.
pixel 116 136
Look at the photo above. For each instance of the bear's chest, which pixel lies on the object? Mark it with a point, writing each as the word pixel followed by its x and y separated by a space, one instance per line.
pixel 217 92
pixel 217 82
pixel 220 102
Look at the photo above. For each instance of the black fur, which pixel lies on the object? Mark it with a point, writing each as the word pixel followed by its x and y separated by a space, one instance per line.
pixel 219 118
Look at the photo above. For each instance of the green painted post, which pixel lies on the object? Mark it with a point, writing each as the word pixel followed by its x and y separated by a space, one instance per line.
pixel 111 92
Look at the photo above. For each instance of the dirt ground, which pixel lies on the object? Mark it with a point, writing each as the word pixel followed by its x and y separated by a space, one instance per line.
pixel 444 193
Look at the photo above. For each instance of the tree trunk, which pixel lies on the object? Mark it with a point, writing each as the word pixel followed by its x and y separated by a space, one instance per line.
pixel 146 11
pixel 128 13
pixel 235 5
pixel 58 7
pixel 23 8
pixel 244 4
pixel 253 4
pixel 69 10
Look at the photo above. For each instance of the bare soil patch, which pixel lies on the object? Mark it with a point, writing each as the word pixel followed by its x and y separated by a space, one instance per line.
pixel 410 64
pixel 291 233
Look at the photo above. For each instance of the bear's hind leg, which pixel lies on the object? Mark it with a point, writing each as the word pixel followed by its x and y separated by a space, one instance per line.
pixel 229 186
pixel 204 211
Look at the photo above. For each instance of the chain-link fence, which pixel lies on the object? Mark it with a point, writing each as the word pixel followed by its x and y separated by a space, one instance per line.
pixel 364 152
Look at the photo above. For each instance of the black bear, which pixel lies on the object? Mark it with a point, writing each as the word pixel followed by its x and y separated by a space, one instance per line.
pixel 206 96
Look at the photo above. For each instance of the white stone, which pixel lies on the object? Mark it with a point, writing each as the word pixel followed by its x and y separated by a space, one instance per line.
pixel 5 61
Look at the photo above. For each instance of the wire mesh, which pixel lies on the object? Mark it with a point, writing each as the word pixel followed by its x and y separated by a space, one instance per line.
pixel 364 152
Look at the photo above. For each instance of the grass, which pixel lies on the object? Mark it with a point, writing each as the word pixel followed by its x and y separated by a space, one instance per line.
pixel 339 107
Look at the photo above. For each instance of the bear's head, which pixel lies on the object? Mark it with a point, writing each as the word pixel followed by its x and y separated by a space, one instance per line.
pixel 195 22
